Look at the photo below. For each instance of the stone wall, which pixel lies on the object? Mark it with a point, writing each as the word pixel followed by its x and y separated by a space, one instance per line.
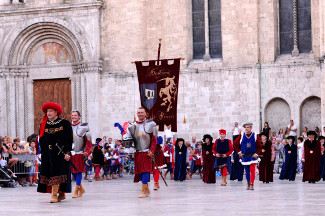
pixel 213 94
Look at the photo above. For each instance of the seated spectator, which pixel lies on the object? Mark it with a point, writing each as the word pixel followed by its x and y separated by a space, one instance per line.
pixel 3 164
pixel 6 149
pixel 15 149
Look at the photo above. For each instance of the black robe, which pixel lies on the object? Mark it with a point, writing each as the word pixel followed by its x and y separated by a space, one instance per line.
pixel 266 165
pixel 312 152
pixel 289 167
pixel 180 163
pixel 54 169
pixel 209 173
pixel 98 156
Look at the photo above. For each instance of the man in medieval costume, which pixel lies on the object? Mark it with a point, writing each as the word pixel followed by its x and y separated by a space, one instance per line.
pixel 81 149
pixel 209 173
pixel 144 135
pixel 311 158
pixel 289 167
pixel 222 149
pixel 248 145
pixel 267 159
pixel 180 170
pixel 55 141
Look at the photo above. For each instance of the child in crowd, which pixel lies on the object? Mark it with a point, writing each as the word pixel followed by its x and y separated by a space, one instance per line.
pixel 32 150
pixel 89 167
pixel 300 151
pixel 3 164
pixel 116 162
pixel 98 158
pixel 169 159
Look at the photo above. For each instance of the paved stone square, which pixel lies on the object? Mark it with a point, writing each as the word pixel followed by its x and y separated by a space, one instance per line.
pixel 192 197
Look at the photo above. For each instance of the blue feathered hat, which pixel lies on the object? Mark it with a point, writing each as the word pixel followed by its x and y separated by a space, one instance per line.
pixel 160 140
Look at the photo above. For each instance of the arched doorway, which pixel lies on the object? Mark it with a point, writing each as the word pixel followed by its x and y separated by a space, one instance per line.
pixel 310 113
pixel 50 54
pixel 277 114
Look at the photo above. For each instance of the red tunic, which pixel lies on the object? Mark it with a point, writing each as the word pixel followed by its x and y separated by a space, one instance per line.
pixel 231 148
pixel 312 154
pixel 197 154
pixel 142 162
pixel 168 150
pixel 159 156
pixel 79 159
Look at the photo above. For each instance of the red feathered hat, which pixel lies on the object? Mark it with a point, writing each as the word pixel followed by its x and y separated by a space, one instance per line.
pixel 50 105
pixel 222 131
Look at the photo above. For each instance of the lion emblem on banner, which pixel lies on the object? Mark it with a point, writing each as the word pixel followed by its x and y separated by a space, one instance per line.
pixel 168 93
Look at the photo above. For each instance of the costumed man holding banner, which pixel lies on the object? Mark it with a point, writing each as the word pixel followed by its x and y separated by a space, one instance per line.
pixel 55 141
pixel 81 148
pixel 143 133
pixel 222 149
pixel 248 145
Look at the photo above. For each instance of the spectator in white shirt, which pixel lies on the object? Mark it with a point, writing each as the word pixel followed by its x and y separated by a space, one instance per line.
pixel 292 129
pixel 169 135
pixel 236 131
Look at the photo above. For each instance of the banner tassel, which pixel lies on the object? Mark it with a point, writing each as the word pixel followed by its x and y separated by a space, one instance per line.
pixel 184 120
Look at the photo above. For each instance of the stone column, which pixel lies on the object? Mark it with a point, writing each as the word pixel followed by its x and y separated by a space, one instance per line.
pixel 295 51
pixel 206 56
pixel 8 105
pixel 26 132
pixel 16 78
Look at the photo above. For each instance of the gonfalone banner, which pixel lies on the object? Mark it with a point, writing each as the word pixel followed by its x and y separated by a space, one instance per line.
pixel 158 85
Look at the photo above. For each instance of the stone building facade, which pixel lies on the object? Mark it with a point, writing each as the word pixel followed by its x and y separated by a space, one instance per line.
pixel 235 67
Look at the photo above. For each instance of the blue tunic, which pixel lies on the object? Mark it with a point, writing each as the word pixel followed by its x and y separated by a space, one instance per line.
pixel 289 167
pixel 248 146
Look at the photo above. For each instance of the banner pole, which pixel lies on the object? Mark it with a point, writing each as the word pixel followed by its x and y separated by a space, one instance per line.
pixel 159 46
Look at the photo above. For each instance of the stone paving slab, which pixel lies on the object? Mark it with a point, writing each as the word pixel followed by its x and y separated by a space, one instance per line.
pixel 192 197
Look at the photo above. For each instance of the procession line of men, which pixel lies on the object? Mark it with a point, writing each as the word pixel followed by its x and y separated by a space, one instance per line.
pixel 64 145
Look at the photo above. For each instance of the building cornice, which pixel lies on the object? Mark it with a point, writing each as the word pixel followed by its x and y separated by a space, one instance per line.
pixel 21 10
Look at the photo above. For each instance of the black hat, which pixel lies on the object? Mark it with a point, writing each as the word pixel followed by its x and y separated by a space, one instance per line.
pixel 321 137
pixel 207 136
pixel 98 140
pixel 292 138
pixel 263 134
pixel 180 139
pixel 311 133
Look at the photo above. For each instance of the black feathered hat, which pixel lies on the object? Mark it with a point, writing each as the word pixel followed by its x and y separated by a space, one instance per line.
pixel 180 139
pixel 311 133
pixel 292 138
pixel 321 137
pixel 207 136
pixel 263 134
